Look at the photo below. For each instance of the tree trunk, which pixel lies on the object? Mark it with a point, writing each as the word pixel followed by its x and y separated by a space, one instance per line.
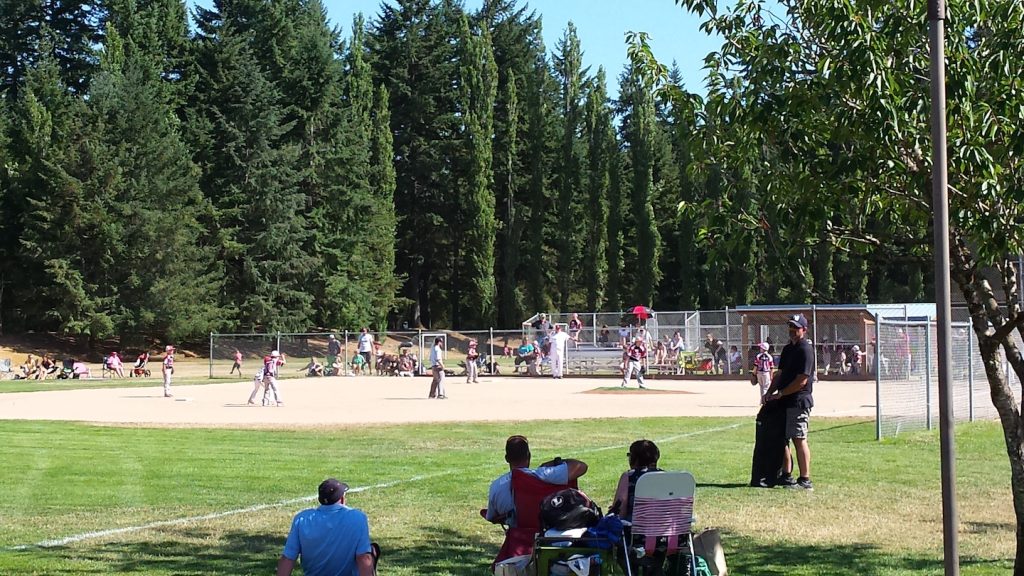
pixel 991 327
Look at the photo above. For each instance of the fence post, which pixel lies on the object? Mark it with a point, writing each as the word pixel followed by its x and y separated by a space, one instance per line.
pixel 970 376
pixel 878 376
pixel 419 366
pixel 490 338
pixel 278 347
pixel 728 363
pixel 928 373
pixel 814 328
pixel 211 355
pixel 344 355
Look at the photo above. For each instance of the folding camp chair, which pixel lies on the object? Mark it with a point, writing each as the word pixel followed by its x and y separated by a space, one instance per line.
pixel 663 515
pixel 562 550
pixel 528 492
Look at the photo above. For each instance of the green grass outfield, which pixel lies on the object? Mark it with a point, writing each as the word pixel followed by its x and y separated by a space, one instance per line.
pixel 875 509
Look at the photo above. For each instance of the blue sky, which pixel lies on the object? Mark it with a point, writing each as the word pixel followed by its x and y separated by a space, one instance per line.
pixel 601 26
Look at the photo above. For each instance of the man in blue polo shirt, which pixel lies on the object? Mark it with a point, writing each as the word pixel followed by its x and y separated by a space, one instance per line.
pixel 793 385
pixel 333 540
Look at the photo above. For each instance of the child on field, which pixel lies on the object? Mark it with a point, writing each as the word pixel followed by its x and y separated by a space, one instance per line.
pixel 472 356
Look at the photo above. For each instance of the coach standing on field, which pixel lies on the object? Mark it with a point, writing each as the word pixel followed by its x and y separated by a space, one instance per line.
pixel 793 385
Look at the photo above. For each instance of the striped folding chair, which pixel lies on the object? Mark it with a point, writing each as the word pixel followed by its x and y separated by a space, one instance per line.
pixel 663 514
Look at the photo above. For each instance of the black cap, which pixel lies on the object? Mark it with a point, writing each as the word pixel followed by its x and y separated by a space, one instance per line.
pixel 331 491
pixel 797 321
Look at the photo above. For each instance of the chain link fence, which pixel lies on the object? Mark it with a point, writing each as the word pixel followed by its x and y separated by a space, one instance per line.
pixel 892 345
pixel 907 365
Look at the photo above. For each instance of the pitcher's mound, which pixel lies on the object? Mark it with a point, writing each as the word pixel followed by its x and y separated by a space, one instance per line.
pixel 633 390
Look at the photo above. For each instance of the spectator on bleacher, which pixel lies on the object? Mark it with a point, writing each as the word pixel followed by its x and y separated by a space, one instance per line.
pixel 507 352
pixel 603 336
pixel 675 345
pixel 660 353
pixel 575 327
pixel 624 338
pixel 542 327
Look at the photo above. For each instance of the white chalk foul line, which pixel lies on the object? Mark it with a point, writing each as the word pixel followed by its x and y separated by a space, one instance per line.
pixel 669 438
pixel 179 521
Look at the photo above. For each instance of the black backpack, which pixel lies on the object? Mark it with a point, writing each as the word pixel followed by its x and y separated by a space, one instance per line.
pixel 568 509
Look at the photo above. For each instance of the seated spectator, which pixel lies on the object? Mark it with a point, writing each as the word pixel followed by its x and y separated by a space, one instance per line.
pixel 406 365
pixel 80 370
pixel 735 360
pixel 115 365
pixel 660 353
pixel 314 368
pixel 507 352
pixel 47 366
pixel 500 501
pixel 358 363
pixel 526 354
pixel 603 336
pixel 624 339
pixel 643 458
pixel 30 369
pixel 331 539
pixel 675 345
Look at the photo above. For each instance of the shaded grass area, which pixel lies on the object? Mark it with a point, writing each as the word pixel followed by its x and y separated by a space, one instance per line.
pixel 875 509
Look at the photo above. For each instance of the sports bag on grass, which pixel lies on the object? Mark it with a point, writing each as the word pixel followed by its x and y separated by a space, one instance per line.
pixel 568 509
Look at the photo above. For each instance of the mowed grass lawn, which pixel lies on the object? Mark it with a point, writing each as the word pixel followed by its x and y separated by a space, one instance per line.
pixel 875 510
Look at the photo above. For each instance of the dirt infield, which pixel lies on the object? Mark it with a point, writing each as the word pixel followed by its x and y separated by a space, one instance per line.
pixel 339 401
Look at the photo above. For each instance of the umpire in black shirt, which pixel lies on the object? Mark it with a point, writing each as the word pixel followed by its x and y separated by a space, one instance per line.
pixel 793 385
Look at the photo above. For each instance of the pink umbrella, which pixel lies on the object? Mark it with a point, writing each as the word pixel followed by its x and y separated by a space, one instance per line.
pixel 641 312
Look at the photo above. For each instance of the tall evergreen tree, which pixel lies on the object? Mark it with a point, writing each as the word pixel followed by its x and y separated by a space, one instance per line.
pixel 384 222
pixel 639 129
pixel 251 176
pixel 479 79
pixel 600 137
pixel 568 66
pixel 538 268
pixel 146 259
pixel 415 45
pixel 49 221
pixel 65 31
pixel 614 293
pixel 517 42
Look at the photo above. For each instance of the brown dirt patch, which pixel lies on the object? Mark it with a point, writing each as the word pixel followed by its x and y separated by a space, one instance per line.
pixel 621 390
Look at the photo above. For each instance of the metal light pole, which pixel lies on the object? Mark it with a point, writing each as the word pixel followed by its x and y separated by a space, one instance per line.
pixel 940 216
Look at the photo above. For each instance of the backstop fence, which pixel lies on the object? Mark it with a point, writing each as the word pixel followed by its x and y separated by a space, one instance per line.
pixel 893 346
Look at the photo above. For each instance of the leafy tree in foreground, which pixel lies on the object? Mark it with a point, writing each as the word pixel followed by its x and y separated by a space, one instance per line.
pixel 840 79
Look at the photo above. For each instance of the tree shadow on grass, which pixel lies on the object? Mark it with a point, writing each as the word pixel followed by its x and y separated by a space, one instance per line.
pixel 452 552
pixel 232 553
pixel 745 555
